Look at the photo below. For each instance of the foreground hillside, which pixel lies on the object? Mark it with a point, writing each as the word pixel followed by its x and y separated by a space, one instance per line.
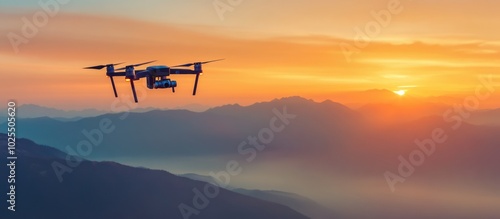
pixel 111 190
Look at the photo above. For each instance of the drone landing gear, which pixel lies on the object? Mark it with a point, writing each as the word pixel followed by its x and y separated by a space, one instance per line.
pixel 133 90
pixel 196 83
pixel 113 83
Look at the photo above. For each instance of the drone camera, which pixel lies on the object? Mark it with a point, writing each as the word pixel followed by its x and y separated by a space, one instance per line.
pixel 166 83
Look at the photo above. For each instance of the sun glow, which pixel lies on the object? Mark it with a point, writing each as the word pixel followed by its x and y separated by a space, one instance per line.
pixel 400 92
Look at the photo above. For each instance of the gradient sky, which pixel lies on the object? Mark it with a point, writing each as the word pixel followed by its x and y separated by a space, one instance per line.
pixel 272 49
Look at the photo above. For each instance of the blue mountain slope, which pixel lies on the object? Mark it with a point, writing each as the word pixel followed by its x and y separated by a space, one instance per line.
pixel 111 190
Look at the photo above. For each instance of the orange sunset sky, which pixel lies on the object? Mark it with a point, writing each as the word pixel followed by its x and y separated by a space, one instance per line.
pixel 272 49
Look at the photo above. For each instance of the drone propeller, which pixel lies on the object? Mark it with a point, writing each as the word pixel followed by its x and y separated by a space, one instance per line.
pixel 99 67
pixel 136 65
pixel 191 64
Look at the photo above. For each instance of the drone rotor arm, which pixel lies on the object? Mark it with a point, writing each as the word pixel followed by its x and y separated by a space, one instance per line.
pixel 181 71
pixel 116 74
pixel 142 73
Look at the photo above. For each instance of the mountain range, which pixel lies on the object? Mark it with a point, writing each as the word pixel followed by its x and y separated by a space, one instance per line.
pixel 35 111
pixel 327 151
pixel 180 132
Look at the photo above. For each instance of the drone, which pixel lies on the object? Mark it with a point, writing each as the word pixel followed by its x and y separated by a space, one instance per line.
pixel 156 76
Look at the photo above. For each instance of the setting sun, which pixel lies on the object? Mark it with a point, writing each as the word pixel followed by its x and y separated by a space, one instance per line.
pixel 400 92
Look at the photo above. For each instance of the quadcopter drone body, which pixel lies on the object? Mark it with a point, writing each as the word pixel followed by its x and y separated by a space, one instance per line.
pixel 157 77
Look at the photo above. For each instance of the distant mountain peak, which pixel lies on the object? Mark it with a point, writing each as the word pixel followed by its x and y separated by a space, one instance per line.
pixel 293 99
pixel 29 110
